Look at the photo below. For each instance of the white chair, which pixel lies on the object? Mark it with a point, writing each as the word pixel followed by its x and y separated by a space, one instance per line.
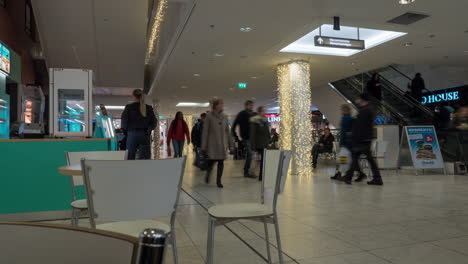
pixel 275 167
pixel 127 194
pixel 74 158
pixel 58 244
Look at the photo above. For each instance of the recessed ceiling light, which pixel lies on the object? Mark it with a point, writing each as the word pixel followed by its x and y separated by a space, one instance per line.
pixel 218 54
pixel 197 75
pixel 408 44
pixel 190 104
pixel 353 63
pixel 254 77
pixel 405 2
pixel 184 87
pixel 246 29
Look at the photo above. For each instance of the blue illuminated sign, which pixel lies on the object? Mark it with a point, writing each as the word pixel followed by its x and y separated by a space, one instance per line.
pixel 440 97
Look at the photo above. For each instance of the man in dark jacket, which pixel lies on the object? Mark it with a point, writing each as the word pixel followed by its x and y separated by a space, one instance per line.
pixel 362 134
pixel 197 132
pixel 325 145
pixel 243 121
pixel 417 87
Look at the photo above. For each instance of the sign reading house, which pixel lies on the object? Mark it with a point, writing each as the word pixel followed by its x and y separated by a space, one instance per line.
pixel 444 95
pixel 342 43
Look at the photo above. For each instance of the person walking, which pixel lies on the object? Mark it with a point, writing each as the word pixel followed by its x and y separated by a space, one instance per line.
pixel 346 126
pixel 259 135
pixel 138 120
pixel 417 87
pixel 178 130
pixel 374 87
pixel 216 139
pixel 361 139
pixel 243 121
pixel 197 131
pixel 325 145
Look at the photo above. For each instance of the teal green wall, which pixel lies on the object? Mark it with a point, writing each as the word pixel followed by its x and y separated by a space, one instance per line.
pixel 15 68
pixel 29 178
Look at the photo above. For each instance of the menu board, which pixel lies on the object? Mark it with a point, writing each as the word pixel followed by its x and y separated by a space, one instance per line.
pixel 424 147
pixel 4 58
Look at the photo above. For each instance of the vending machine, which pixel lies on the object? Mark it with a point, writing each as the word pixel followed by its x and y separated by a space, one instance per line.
pixel 71 107
pixel 4 115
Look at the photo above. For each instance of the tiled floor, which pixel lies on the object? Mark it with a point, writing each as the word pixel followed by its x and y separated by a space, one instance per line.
pixel 412 219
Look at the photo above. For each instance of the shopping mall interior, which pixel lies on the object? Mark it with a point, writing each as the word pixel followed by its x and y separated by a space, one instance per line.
pixel 215 131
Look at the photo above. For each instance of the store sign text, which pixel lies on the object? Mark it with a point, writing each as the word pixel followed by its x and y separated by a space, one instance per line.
pixel 443 97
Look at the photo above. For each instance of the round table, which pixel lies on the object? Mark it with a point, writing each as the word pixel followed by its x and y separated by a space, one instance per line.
pixel 72 170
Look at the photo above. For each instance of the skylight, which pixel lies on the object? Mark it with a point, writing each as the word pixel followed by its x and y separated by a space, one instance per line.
pixel 372 38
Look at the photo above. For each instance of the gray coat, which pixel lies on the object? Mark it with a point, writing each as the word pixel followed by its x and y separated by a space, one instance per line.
pixel 216 137
pixel 259 132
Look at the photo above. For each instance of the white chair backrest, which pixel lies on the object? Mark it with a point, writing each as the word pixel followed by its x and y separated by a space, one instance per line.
pixel 132 189
pixel 271 172
pixel 74 158
pixel 56 244
pixel 285 169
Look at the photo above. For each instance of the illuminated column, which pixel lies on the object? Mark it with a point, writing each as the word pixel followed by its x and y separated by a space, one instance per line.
pixel 156 135
pixel 295 102
pixel 189 120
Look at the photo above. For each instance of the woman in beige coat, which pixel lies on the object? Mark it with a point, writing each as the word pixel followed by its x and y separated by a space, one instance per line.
pixel 216 139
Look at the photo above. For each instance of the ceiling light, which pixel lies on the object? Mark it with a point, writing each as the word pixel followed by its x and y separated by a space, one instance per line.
pixel 254 77
pixel 372 38
pixel 184 87
pixel 408 44
pixel 190 104
pixel 218 54
pixel 112 107
pixel 405 2
pixel 246 29
pixel 197 75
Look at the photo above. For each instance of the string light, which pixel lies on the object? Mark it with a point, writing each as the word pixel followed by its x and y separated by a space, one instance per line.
pixel 156 29
pixel 189 120
pixel 296 126
pixel 156 134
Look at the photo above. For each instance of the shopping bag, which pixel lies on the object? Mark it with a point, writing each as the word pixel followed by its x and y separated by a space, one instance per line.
pixel 344 160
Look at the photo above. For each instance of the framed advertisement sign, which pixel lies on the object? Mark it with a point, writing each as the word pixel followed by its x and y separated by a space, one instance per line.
pixel 4 58
pixel 424 147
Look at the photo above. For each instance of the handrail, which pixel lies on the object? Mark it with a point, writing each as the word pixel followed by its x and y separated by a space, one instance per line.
pixel 342 95
pixel 409 101
pixel 406 76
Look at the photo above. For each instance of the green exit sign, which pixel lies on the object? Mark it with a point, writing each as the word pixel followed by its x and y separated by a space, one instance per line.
pixel 242 85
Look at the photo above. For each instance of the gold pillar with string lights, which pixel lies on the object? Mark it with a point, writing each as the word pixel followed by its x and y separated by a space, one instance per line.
pixel 189 120
pixel 296 125
pixel 156 135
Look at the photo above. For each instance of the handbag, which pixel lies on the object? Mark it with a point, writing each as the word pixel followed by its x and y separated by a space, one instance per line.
pixel 343 159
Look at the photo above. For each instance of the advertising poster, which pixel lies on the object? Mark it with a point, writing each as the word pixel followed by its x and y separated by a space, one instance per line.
pixel 424 147
pixel 4 58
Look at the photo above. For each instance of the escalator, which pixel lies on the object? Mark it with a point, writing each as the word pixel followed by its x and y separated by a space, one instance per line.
pixel 396 106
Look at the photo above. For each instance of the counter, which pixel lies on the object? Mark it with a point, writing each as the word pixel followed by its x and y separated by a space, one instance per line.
pixel 31 187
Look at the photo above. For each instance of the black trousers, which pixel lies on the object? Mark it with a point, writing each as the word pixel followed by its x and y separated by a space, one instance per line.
pixel 219 174
pixel 316 150
pixel 138 140
pixel 364 149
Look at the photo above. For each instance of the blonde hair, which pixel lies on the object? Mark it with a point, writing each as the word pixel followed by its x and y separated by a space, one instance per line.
pixel 215 102
pixel 138 93
pixel 346 108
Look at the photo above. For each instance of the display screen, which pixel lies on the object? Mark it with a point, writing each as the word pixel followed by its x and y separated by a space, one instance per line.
pixel 4 58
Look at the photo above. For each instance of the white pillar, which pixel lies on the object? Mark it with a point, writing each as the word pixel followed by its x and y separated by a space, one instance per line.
pixel 295 102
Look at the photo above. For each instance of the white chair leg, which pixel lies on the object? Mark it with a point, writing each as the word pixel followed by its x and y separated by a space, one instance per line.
pixel 174 247
pixel 210 244
pixel 278 239
pixel 267 239
pixel 73 217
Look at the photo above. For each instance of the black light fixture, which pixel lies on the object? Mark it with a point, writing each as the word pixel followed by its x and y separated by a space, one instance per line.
pixel 336 23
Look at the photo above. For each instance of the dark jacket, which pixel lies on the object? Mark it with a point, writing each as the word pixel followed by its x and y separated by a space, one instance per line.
pixel 133 120
pixel 363 126
pixel 327 142
pixel 197 132
pixel 417 87
pixel 259 132
pixel 374 89
pixel 242 120
pixel 346 126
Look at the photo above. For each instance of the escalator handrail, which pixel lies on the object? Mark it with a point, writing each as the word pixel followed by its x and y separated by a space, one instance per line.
pixel 409 101
pixel 406 76
pixel 396 114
